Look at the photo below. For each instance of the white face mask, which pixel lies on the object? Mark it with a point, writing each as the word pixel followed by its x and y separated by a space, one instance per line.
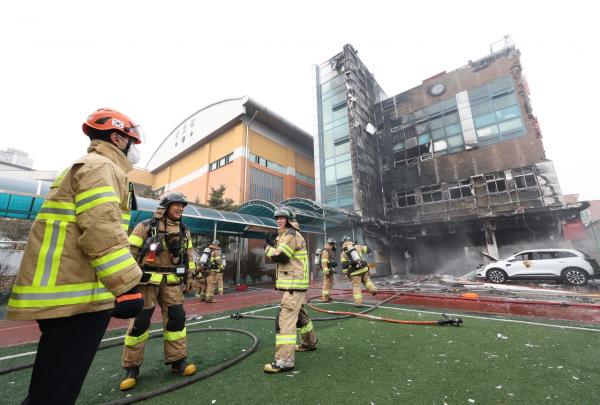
pixel 133 155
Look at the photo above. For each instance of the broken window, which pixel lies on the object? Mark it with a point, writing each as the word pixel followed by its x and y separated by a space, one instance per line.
pixel 388 201
pixel 437 131
pixel 461 189
pixel 496 111
pixel 406 198
pixel 524 178
pixel 496 183
pixel 431 194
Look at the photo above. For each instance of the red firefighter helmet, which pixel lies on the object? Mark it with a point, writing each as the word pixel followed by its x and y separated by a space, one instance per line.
pixel 106 119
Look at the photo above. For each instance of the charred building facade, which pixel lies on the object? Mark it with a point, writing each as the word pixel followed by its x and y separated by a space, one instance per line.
pixel 458 164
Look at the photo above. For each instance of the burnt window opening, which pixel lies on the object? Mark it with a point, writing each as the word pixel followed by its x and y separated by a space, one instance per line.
pixel 388 201
pixel 406 198
pixel 496 183
pixel 431 194
pixel 524 178
pixel 462 189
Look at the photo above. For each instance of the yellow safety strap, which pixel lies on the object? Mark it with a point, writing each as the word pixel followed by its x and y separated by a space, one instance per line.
pixel 57 211
pixel 50 252
pixel 135 240
pixel 170 336
pixel 305 329
pixel 155 278
pixel 56 295
pixel 285 340
pixel 288 251
pixel 125 219
pixel 136 340
pixel 94 197
pixel 113 262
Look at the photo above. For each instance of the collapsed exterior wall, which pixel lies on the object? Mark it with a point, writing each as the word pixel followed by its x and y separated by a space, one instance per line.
pixel 459 161
pixel 441 161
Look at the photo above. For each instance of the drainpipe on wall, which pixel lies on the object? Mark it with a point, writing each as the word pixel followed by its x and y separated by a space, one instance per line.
pixel 246 152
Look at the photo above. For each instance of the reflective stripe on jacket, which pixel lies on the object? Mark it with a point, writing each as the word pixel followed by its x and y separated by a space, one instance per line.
pixel 325 254
pixel 77 256
pixel 215 261
pixel 293 275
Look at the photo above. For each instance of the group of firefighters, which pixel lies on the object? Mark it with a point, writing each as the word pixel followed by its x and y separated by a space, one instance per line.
pixel 80 268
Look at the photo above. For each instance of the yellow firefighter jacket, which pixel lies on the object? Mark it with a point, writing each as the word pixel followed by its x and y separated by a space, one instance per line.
pixel 327 257
pixel 77 256
pixel 163 265
pixel 291 258
pixel 346 262
pixel 215 263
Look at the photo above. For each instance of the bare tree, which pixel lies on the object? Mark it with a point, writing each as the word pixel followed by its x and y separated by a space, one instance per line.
pixel 14 229
pixel 7 278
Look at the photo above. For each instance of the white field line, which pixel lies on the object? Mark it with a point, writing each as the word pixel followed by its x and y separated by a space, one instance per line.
pixel 14 356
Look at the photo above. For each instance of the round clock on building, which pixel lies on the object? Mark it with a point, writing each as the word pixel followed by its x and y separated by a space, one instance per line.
pixel 437 89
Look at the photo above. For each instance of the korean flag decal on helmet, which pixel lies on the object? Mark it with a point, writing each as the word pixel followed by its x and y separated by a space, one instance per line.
pixel 118 123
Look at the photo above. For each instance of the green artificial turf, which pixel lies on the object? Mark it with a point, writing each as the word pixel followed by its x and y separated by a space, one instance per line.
pixel 363 362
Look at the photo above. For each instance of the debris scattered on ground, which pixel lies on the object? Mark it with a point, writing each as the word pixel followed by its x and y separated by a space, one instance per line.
pixel 501 336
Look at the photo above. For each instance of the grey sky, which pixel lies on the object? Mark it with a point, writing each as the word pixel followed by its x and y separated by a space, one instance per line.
pixel 161 61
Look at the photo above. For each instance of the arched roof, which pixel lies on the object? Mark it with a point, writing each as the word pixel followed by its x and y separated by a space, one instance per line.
pixel 206 121
pixel 212 120
pixel 23 198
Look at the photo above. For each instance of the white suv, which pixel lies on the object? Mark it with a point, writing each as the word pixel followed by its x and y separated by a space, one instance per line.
pixel 569 265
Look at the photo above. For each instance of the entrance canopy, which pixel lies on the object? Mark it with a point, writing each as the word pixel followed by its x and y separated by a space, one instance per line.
pixel 312 216
pixel 22 199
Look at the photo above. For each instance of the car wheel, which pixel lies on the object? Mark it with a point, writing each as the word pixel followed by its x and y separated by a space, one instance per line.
pixel 497 276
pixel 575 276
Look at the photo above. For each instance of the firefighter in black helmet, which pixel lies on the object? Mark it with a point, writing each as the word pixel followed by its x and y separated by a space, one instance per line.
pixel 215 272
pixel 288 251
pixel 162 246
pixel 328 265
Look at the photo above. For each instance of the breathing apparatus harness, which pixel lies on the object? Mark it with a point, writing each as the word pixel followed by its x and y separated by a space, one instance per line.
pixel 157 241
pixel 206 264
pixel 332 262
pixel 355 260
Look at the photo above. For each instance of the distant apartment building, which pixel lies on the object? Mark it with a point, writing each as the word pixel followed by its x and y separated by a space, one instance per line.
pixel 17 164
pixel 15 158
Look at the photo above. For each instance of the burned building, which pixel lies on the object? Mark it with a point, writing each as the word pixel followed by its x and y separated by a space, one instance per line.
pixel 454 166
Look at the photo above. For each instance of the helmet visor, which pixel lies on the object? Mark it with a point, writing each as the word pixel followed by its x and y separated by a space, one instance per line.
pixel 136 133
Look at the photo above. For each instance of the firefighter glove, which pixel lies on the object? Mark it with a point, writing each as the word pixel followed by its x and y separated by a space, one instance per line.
pixel 270 239
pixel 129 304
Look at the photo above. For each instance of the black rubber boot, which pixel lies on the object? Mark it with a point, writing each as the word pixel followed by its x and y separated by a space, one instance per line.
pixel 131 375
pixel 183 367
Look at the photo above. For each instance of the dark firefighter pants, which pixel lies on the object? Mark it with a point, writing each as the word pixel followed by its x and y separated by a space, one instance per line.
pixel 170 299
pixel 64 355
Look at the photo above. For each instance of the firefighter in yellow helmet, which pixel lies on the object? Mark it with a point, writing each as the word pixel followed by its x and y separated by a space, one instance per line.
pixel 291 277
pixel 163 247
pixel 356 267
pixel 214 267
pixel 77 260
pixel 328 265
